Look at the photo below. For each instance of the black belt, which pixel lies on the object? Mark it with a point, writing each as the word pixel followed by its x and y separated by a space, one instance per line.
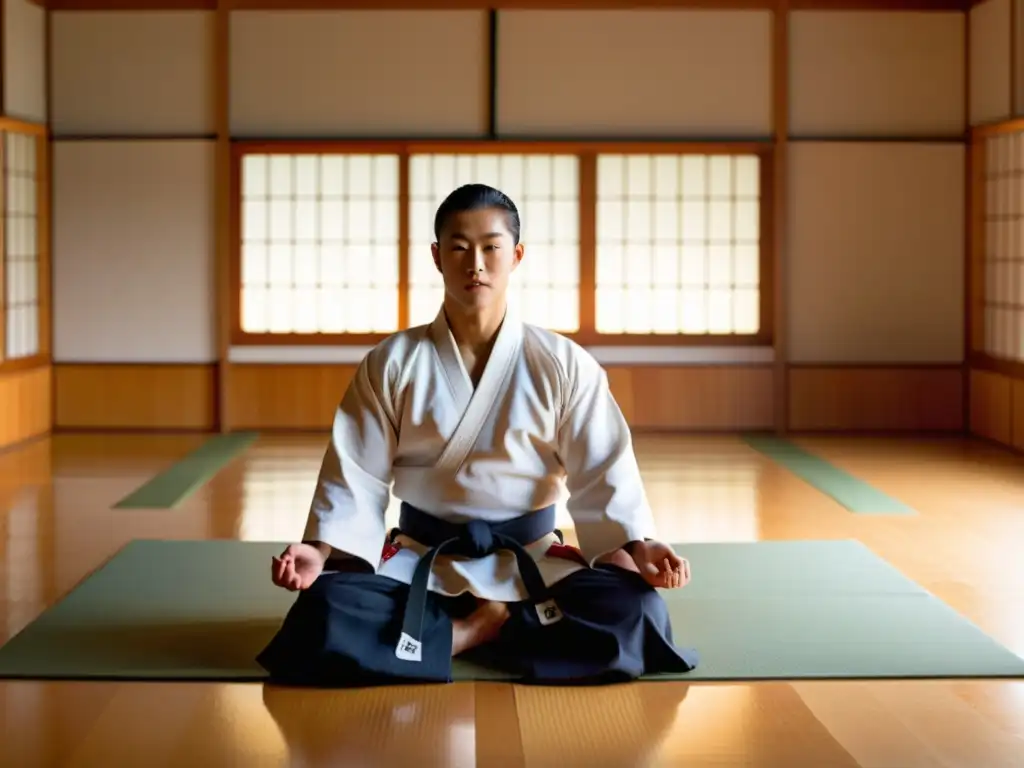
pixel 475 539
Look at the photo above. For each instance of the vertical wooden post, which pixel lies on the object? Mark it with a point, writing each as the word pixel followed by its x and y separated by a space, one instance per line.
pixel 1012 31
pixel 969 229
pixel 780 131
pixel 222 190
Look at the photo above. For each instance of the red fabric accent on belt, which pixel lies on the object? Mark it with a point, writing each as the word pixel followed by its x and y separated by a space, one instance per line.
pixel 390 550
pixel 566 552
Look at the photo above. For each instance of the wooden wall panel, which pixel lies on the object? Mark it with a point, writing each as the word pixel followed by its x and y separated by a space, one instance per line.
pixel 685 398
pixel 26 399
pixel 1017 415
pixel 130 396
pixel 997 408
pixel 284 396
pixel 876 399
pixel 991 406
pixel 695 397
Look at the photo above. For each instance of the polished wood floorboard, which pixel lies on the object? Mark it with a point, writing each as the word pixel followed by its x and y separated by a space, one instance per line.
pixel 56 525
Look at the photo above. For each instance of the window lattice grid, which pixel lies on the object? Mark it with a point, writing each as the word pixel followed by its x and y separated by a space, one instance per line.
pixel 21 244
pixel 678 244
pixel 545 287
pixel 320 243
pixel 1004 247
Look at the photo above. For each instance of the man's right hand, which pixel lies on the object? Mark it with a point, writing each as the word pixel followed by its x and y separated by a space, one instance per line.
pixel 299 566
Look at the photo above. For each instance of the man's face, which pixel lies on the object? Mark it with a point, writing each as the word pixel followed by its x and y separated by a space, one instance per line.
pixel 476 255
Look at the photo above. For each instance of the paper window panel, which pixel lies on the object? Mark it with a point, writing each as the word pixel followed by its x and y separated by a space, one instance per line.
pixel 678 244
pixel 320 243
pixel 21 266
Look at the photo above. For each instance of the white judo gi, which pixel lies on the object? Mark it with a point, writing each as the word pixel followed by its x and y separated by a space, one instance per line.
pixel 542 421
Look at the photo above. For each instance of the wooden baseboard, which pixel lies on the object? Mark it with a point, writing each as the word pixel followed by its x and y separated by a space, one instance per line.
pixel 694 398
pixel 727 398
pixel 146 396
pixel 997 407
pixel 876 398
pixel 651 397
pixel 284 397
pixel 26 397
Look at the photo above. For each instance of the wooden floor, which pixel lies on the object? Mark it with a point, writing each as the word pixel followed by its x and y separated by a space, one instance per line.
pixel 966 545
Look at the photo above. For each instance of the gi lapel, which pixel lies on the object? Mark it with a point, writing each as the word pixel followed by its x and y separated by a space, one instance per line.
pixel 451 361
pixel 493 383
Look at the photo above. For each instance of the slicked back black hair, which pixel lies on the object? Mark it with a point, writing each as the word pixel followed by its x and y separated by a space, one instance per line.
pixel 475 197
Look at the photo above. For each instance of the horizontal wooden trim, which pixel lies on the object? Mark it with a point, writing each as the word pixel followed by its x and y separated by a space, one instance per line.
pixel 241 147
pixel 83 137
pixel 875 366
pixel 16 125
pixel 131 5
pixel 631 355
pixel 1011 368
pixel 572 5
pixel 879 5
pixel 59 429
pixel 591 339
pixel 167 365
pixel 984 130
pixel 243 339
pixel 938 138
pixel 585 339
pixel 544 145
pixel 24 363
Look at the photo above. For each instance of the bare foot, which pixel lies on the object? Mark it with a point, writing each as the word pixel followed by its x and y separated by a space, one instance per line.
pixel 481 626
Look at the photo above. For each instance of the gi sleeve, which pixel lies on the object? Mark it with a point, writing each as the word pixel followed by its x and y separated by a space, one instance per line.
pixel 607 500
pixel 354 486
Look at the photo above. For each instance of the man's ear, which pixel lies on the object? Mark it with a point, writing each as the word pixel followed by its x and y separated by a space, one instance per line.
pixel 435 251
pixel 520 252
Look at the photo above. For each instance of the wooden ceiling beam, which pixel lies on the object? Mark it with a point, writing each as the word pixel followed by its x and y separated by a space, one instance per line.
pixel 295 5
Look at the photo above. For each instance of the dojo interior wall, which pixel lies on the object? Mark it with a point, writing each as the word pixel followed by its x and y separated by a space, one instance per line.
pixel 25 384
pixel 870 311
pixel 997 90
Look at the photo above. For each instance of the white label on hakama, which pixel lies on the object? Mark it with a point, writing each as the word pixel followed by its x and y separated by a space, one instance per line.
pixel 548 613
pixel 409 649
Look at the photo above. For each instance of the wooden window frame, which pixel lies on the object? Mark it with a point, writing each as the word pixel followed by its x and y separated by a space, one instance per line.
pixel 42 136
pixel 587 152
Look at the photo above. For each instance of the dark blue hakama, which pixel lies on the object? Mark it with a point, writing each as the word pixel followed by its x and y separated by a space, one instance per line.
pixel 356 628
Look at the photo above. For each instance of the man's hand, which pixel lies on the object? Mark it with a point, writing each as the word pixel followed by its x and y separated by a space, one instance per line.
pixel 659 565
pixel 298 566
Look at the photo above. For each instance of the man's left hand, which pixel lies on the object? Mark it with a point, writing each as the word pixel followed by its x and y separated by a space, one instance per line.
pixel 659 565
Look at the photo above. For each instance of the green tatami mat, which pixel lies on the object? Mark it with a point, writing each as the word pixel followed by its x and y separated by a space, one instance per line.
pixel 188 474
pixel 771 610
pixel 853 494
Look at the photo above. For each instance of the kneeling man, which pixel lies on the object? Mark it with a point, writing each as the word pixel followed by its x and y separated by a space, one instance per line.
pixel 479 421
